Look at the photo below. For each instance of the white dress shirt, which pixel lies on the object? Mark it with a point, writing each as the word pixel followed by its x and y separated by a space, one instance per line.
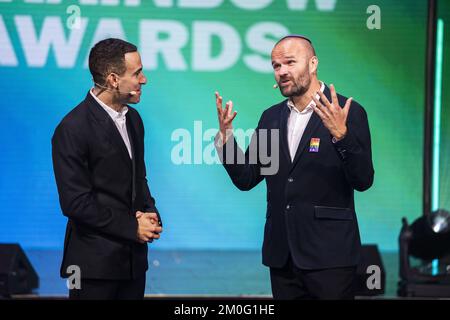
pixel 119 119
pixel 297 123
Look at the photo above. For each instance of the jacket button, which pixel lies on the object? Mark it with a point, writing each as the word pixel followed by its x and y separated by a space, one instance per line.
pixel 290 179
pixel 288 207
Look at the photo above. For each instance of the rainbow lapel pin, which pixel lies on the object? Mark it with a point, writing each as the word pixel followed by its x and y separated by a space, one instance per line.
pixel 314 145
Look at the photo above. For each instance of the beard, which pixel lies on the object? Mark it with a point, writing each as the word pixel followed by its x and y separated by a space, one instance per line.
pixel 298 87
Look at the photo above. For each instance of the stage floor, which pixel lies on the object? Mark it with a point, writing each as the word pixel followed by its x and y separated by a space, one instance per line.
pixel 193 273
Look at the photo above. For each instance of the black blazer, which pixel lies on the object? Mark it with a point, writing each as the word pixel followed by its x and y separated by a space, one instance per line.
pixel 310 206
pixel 100 189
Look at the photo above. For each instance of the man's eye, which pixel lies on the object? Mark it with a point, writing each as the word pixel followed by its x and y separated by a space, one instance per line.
pixel 291 61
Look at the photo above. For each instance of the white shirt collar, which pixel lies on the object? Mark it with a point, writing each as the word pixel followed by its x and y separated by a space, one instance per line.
pixel 112 113
pixel 310 105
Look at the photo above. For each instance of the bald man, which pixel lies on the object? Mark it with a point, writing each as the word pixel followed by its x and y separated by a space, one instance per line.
pixel 311 236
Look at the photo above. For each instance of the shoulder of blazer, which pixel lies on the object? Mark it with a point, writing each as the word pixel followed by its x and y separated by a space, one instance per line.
pixel 356 111
pixel 276 108
pixel 75 120
pixel 273 112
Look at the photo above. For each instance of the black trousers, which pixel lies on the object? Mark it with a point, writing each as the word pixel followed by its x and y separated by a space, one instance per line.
pixel 99 289
pixel 292 283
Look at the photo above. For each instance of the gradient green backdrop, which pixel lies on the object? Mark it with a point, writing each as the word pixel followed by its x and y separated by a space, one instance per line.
pixel 382 69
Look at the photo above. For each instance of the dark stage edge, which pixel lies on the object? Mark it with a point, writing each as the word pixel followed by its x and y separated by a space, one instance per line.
pixel 193 274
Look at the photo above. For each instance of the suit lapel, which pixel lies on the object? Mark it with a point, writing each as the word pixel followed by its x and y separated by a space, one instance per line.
pixel 133 141
pixel 284 115
pixel 311 127
pixel 109 126
pixel 313 123
pixel 131 134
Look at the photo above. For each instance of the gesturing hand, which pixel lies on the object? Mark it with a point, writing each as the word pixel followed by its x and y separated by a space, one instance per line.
pixel 333 116
pixel 225 117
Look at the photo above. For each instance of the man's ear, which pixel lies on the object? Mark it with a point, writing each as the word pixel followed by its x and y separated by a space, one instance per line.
pixel 113 80
pixel 313 64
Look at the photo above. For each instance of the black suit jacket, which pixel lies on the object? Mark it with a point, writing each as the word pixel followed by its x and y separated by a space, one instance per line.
pixel 310 206
pixel 100 189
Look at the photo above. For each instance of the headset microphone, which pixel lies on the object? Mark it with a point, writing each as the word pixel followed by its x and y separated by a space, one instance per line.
pixel 275 86
pixel 131 93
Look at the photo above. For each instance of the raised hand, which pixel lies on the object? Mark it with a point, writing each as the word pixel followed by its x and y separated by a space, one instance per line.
pixel 225 116
pixel 333 116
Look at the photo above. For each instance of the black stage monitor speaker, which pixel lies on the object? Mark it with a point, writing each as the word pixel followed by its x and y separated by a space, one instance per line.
pixel 371 275
pixel 17 275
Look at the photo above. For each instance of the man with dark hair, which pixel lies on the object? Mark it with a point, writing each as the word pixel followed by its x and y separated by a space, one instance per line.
pixel 98 161
pixel 311 237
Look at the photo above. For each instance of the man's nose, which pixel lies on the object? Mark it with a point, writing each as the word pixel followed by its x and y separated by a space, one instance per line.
pixel 282 71
pixel 143 79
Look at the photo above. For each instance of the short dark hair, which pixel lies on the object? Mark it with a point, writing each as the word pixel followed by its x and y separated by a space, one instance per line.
pixel 108 56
